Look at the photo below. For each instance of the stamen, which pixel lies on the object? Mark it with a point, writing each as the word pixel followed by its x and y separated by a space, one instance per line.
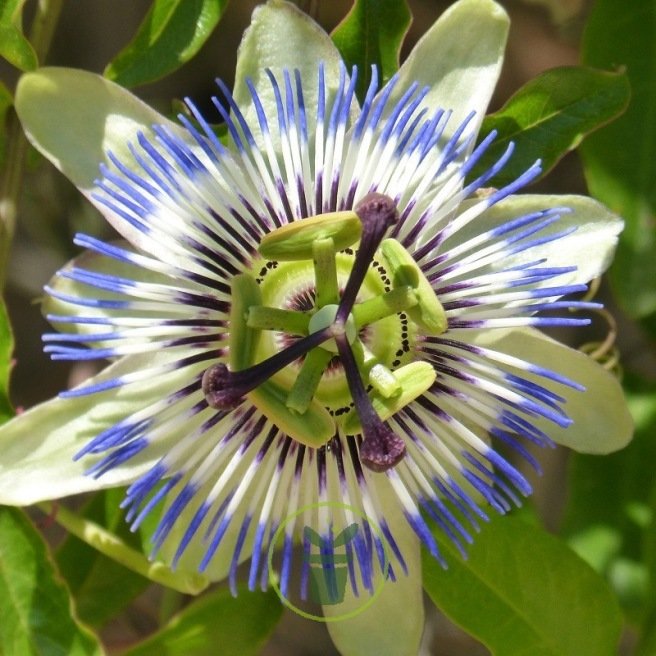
pixel 384 381
pixel 381 449
pixel 331 326
pixel 325 272
pixel 291 322
pixel 380 377
pixel 244 294
pixel 377 213
pixel 377 308
pixel 295 240
pixel 308 379
pixel 415 379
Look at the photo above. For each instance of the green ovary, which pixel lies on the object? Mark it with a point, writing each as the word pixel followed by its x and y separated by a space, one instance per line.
pixel 294 290
pixel 287 285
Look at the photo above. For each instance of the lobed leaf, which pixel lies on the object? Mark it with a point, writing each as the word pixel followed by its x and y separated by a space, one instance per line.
pixel 549 116
pixel 171 34
pixel 522 591
pixel 35 606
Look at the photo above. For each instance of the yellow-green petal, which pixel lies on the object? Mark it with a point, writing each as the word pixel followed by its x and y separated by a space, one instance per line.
pixel 279 37
pixel 590 244
pixel 601 419
pixel 74 118
pixel 37 447
pixel 394 622
pixel 460 59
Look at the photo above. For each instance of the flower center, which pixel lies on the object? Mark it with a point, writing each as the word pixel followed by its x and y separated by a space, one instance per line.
pixel 325 318
pixel 321 340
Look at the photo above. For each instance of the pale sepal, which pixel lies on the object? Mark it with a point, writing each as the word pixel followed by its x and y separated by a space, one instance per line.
pixel 218 568
pixel 38 446
pixel 460 59
pixel 601 419
pixel 281 37
pixel 593 231
pixel 75 117
pixel 394 622
pixel 95 263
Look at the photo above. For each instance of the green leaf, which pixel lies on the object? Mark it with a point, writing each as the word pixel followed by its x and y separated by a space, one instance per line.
pixel 647 643
pixel 521 591
pixel 217 624
pixel 11 13
pixel 619 161
pixel 35 607
pixel 109 544
pixel 609 504
pixel 549 116
pixel 372 34
pixel 171 34
pixel 6 350
pixel 100 585
pixel 14 47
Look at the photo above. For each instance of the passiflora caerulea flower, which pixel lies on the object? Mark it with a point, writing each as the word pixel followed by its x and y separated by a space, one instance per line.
pixel 324 305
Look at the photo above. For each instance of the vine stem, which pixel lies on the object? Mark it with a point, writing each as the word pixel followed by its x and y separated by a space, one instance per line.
pixel 41 33
pixel 113 547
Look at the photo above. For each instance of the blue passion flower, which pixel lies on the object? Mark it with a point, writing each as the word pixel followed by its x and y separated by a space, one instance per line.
pixel 327 304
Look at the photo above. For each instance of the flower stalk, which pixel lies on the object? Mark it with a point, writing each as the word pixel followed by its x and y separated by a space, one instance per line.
pixel 113 547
